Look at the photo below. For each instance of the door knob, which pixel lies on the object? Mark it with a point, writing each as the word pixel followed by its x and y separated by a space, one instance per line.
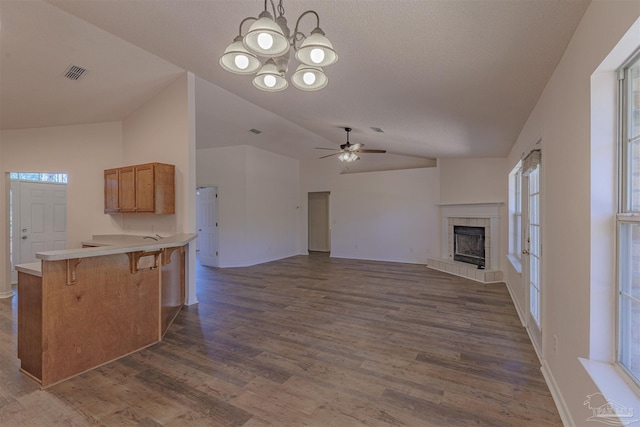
pixel 24 237
pixel 525 252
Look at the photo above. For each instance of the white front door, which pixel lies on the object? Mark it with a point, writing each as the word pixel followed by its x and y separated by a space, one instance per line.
pixel 207 225
pixel 42 224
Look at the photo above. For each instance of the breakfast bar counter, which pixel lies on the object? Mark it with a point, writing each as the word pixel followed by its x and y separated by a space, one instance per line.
pixel 82 308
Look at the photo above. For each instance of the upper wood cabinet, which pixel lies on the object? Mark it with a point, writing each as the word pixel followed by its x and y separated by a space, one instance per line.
pixel 111 204
pixel 147 188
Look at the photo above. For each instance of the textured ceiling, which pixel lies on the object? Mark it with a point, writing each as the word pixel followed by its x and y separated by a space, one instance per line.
pixel 451 78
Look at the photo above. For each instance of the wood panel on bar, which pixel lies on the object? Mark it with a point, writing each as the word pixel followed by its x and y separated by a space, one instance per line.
pixel 83 313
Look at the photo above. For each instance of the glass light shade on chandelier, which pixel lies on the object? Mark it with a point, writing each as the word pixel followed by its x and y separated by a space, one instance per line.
pixel 269 78
pixel 266 38
pixel 317 50
pixel 309 78
pixel 271 39
pixel 237 59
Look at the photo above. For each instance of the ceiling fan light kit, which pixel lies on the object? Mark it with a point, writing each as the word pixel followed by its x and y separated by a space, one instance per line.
pixel 347 152
pixel 271 39
pixel 348 157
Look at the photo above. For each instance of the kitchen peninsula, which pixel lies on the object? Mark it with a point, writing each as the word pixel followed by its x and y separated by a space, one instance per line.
pixel 82 308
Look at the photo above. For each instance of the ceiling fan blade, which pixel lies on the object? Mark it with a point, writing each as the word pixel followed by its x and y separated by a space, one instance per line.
pixel 372 151
pixel 322 148
pixel 329 155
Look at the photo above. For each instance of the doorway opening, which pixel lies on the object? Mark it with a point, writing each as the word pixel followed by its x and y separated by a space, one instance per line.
pixel 207 244
pixel 319 222
pixel 37 216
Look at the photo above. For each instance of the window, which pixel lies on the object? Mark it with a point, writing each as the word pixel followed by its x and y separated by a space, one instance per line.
pixel 34 176
pixel 628 220
pixel 515 216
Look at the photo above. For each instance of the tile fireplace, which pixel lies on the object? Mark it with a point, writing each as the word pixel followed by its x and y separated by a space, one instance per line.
pixel 470 241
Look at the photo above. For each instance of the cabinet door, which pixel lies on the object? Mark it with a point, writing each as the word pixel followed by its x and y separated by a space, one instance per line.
pixel 111 204
pixel 127 196
pixel 145 189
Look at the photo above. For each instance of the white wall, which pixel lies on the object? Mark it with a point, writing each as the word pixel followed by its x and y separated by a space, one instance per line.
pixel 273 208
pixel 163 130
pixel 472 180
pixel 225 168
pixel 388 215
pixel 257 203
pixel 159 132
pixel 561 119
pixel 481 180
pixel 82 151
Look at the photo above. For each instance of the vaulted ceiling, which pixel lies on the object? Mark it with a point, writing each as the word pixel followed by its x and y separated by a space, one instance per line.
pixel 441 78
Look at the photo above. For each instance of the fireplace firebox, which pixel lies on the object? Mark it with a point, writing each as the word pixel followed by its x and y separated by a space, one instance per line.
pixel 468 245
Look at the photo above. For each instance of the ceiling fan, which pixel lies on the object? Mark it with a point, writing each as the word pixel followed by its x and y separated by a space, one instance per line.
pixel 347 152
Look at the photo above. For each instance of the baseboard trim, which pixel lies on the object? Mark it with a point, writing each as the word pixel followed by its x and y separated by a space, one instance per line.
pixel 515 303
pixel 401 261
pixel 561 405
pixel 191 301
pixel 7 294
pixel 257 261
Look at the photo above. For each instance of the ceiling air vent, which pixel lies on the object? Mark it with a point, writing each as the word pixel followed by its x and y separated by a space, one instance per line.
pixel 73 72
pixel 256 131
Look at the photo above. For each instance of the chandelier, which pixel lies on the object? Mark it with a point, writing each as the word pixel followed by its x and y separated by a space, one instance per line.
pixel 270 40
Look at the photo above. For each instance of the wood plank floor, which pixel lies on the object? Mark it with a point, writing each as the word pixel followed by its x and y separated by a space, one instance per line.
pixel 308 341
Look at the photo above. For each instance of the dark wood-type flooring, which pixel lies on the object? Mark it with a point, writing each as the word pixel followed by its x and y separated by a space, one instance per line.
pixel 308 341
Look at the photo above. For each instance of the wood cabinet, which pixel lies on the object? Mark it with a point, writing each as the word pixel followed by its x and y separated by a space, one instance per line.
pixel 146 188
pixel 84 312
pixel 111 191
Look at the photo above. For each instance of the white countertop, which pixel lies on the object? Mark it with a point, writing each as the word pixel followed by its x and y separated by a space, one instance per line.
pixel 117 244
pixel 33 268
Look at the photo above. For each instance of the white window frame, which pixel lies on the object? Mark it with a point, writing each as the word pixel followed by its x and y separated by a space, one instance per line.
pixel 515 217
pixel 628 219
pixel 535 247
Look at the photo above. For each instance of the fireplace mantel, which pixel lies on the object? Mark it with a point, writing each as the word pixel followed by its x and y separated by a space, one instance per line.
pixel 471 210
